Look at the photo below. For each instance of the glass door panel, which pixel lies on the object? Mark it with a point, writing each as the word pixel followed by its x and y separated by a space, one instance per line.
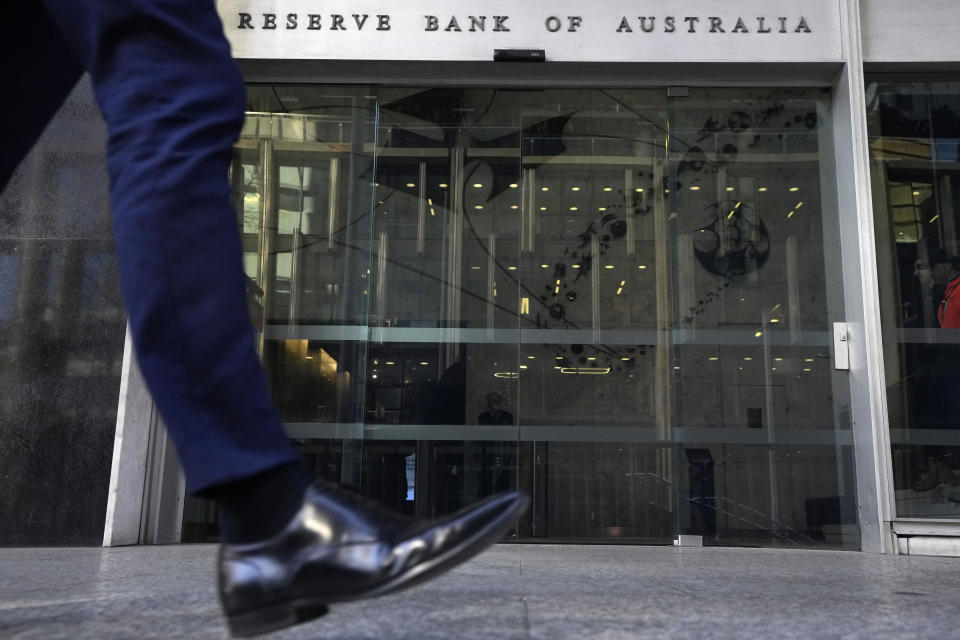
pixel 763 445
pixel 595 396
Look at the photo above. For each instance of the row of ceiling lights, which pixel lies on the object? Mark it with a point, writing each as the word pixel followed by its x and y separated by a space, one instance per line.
pixel 514 185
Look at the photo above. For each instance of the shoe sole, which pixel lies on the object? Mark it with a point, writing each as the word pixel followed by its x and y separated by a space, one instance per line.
pixel 298 611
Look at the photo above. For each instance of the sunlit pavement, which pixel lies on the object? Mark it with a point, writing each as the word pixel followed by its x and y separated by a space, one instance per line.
pixel 512 591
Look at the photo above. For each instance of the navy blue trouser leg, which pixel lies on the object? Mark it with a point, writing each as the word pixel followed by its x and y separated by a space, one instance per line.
pixel 173 101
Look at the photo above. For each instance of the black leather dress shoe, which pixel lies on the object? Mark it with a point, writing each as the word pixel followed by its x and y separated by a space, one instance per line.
pixel 340 547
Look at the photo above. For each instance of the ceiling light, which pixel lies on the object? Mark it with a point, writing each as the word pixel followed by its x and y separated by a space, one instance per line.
pixel 575 266
pixel 799 204
pixel 806 369
pixel 512 268
pixel 573 208
pixel 531 357
pixel 544 188
pixel 544 266
pixel 574 188
pixel 608 188
pixel 543 208
pixel 523 366
pixel 762 189
pixel 747 359
pixel 591 358
pixel 794 189
pixel 477 185
pixel 758 334
pixel 625 359
pixel 609 266
pixel 514 185
pixel 790 215
pixel 514 206
pixel 639 189
pixel 424 363
pixel 602 209
pixel 641 266
pixel 443 185
pixel 729 188
pixel 388 362
pixel 713 358
pixel 778 359
pixel 695 188
pixel 774 320
pixel 411 185
pixel 478 206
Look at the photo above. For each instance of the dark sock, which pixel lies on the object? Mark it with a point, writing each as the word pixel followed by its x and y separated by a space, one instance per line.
pixel 259 507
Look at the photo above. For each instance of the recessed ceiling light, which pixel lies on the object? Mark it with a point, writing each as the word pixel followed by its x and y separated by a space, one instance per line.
pixel 514 185
pixel 424 363
pixel 478 206
pixel 602 209
pixel 573 208
pixel 411 185
pixel 609 266
pixel 575 266
pixel 794 189
pixel 574 188
pixel 762 189
pixel 543 208
pixel 748 359
pixel 477 185
pixel 713 358
pixel 608 188
pixel 443 185
pixel 729 188
pixel 512 268
pixel 695 188
pixel 639 189
pixel 544 188
pixel 514 206
pixel 544 266
pixel 641 266
pixel 531 357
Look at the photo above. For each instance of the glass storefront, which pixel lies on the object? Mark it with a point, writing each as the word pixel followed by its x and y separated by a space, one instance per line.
pixel 914 144
pixel 619 301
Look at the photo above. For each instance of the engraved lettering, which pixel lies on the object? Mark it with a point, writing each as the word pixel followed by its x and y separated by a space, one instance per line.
pixel 669 24
pixel 269 21
pixel 575 22
pixel 383 23
pixel 291 21
pixel 499 23
pixel 478 23
pixel 802 27
pixel 553 24
pixel 314 21
pixel 783 25
pixel 336 23
pixel 644 26
pixel 432 23
pixel 453 25
pixel 761 25
pixel 360 20
pixel 246 21
pixel 716 25
pixel 691 21
pixel 741 27
pixel 624 26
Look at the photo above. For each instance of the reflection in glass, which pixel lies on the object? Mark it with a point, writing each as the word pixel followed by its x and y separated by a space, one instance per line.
pixel 617 302
pixel 914 133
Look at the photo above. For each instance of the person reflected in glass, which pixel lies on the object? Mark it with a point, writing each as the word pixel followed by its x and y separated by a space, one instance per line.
pixel 495 468
pixel 495 413
pixel 941 366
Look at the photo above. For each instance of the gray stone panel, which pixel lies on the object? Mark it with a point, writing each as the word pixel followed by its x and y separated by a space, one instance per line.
pixel 61 335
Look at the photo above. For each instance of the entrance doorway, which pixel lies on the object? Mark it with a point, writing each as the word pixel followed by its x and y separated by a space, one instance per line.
pixel 619 301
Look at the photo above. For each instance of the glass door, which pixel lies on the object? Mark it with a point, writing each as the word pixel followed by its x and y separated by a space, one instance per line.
pixel 763 448
pixel 620 302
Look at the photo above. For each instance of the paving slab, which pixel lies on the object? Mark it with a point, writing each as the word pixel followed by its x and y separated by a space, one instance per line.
pixel 518 591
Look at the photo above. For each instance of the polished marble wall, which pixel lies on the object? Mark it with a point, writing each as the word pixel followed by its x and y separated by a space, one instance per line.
pixel 61 335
